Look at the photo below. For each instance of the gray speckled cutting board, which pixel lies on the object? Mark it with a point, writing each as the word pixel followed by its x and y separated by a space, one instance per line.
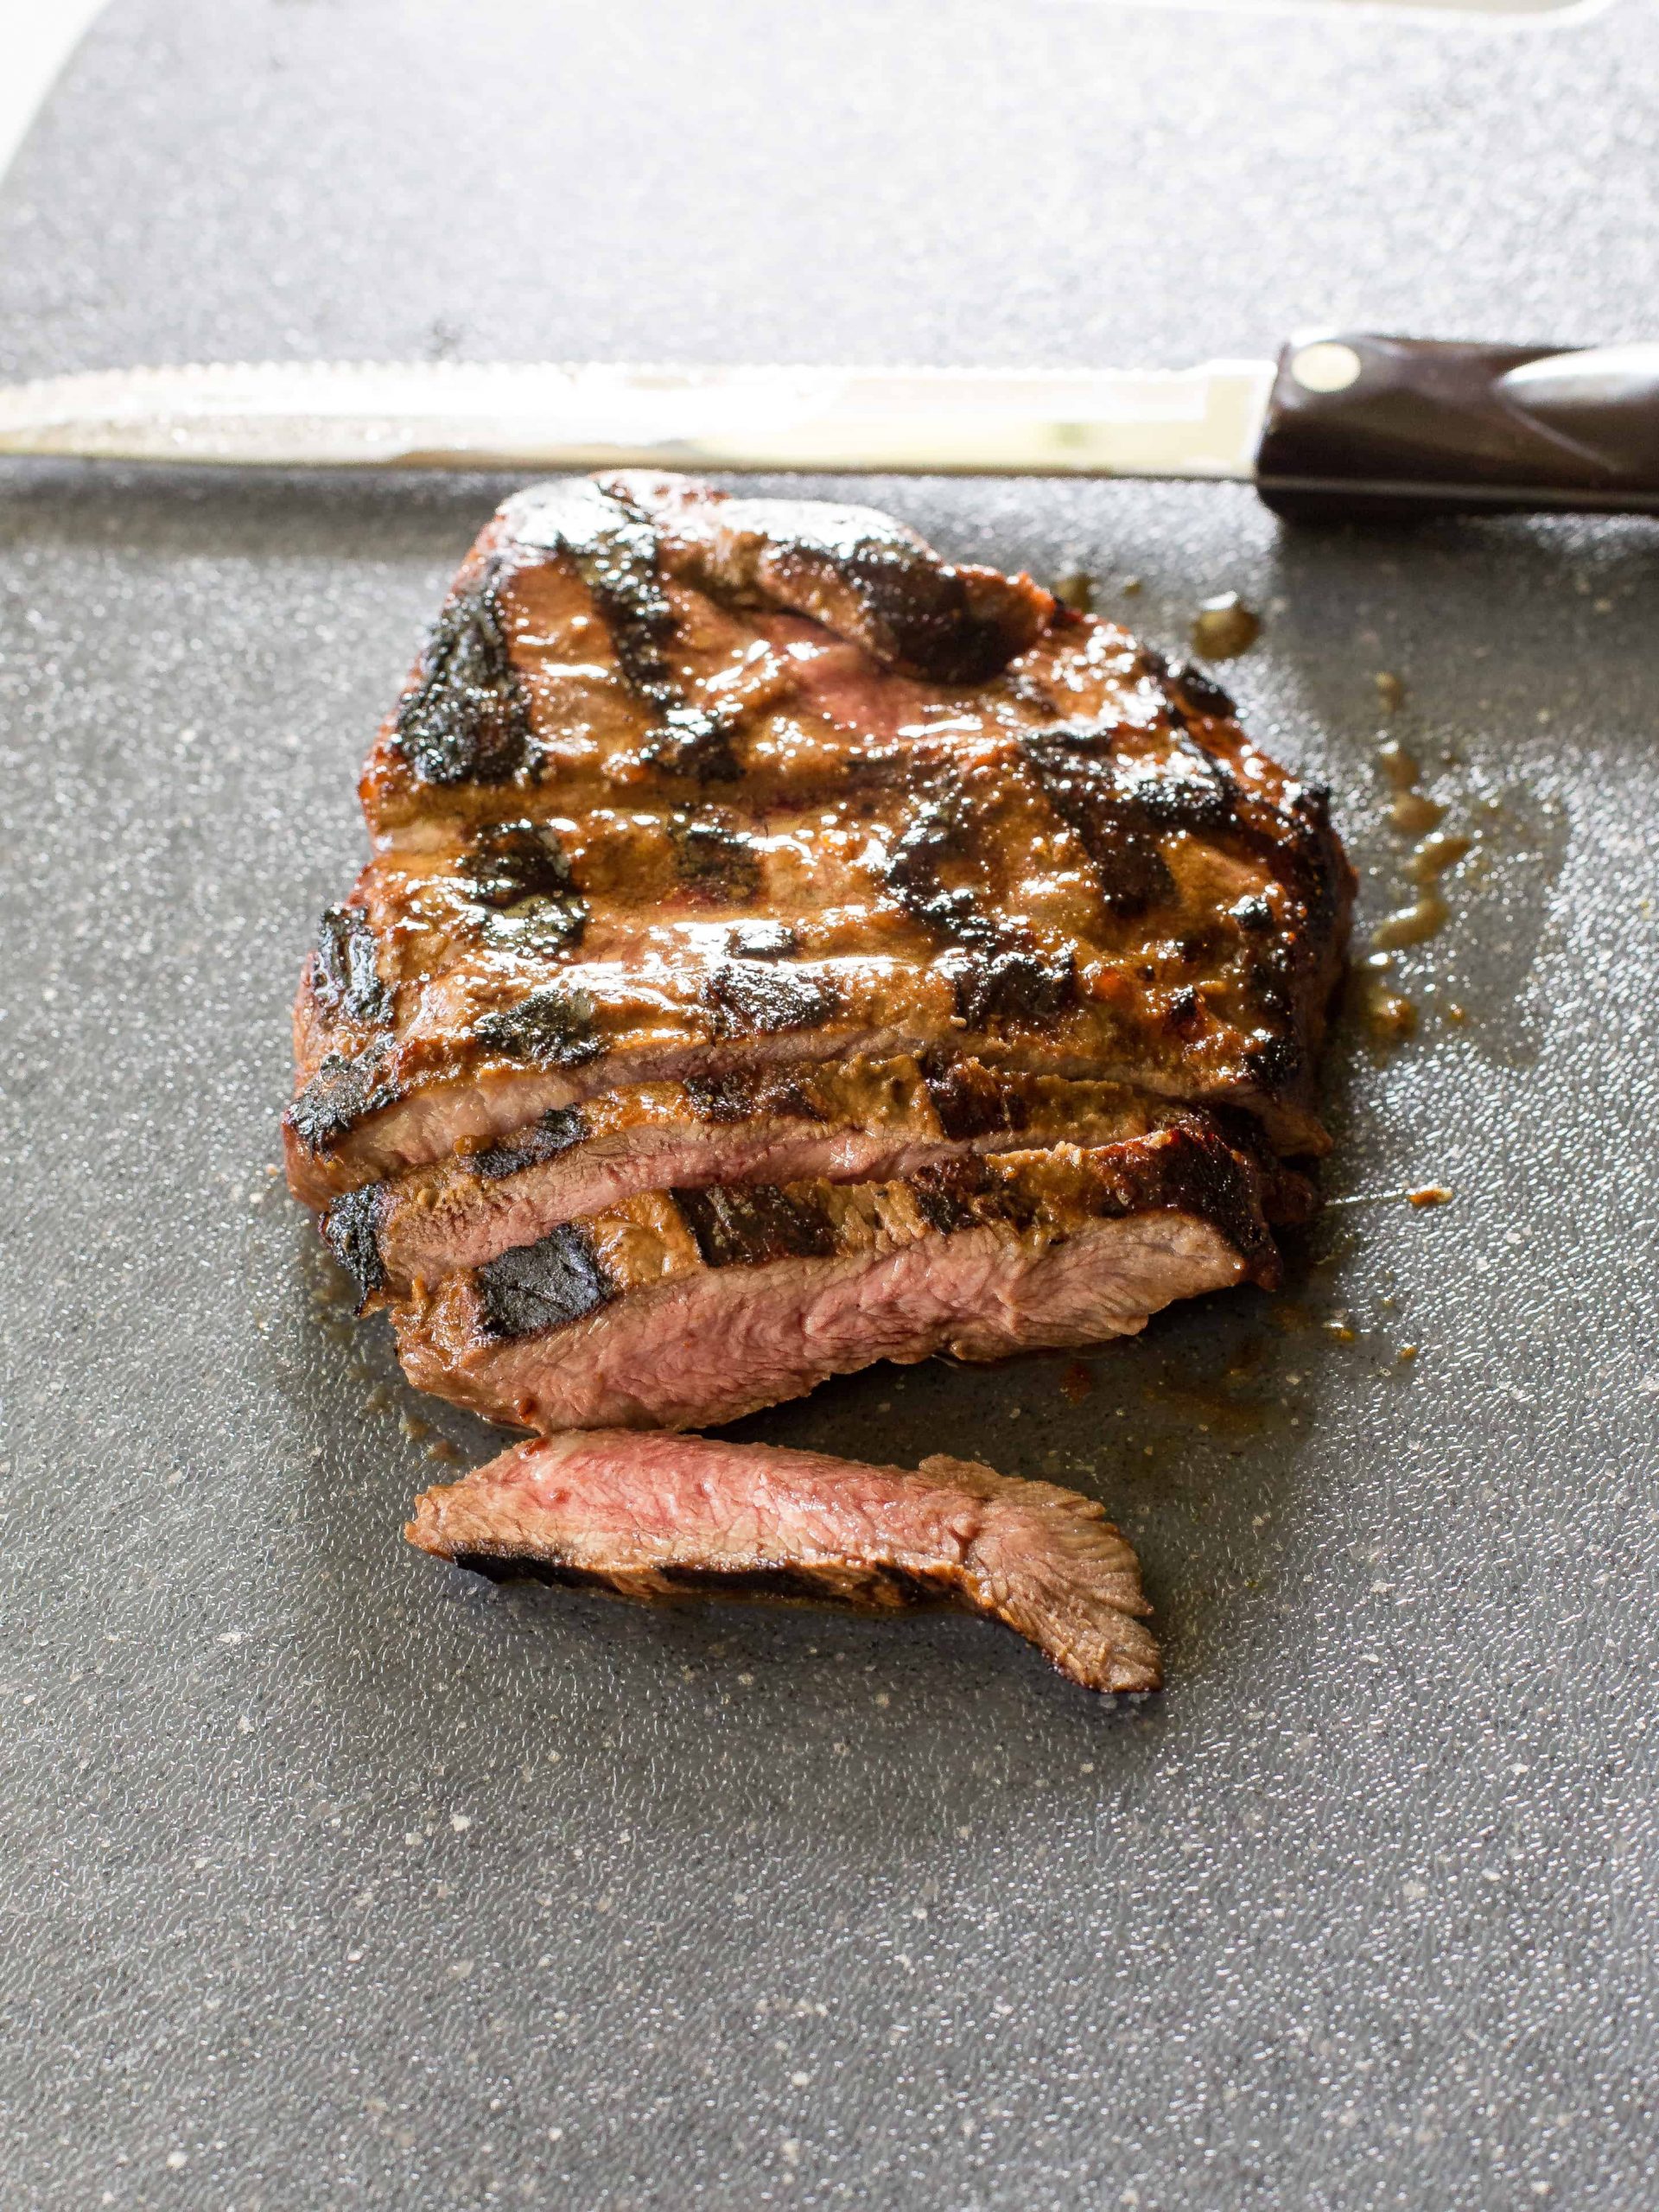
pixel 328 1878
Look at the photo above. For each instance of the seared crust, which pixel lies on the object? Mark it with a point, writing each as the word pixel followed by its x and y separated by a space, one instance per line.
pixel 690 1307
pixel 685 785
pixel 856 1124
pixel 664 1518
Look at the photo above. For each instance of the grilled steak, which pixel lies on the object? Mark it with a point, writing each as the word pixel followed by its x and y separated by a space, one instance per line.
pixel 783 949
pixel 685 786
pixel 862 1124
pixel 663 1516
pixel 690 1307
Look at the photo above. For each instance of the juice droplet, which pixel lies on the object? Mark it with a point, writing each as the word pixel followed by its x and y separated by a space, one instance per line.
pixel 1077 1382
pixel 1388 1016
pixel 1225 628
pixel 1434 856
pixel 1410 810
pixel 1425 918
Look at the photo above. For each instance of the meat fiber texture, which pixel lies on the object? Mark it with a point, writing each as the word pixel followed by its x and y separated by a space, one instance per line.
pixel 783 949
pixel 661 1516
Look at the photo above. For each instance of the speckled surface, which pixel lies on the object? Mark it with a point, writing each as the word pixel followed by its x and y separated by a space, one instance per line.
pixel 329 1878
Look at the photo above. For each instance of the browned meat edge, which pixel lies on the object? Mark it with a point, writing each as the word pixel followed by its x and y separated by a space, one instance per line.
pixel 604 855
pixel 860 1123
pixel 687 1308
pixel 654 1516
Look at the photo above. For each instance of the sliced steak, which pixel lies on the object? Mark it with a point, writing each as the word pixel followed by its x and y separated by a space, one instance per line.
pixel 691 1307
pixel 860 1123
pixel 664 1516
pixel 684 787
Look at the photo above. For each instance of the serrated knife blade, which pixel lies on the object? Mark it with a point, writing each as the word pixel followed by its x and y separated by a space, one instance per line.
pixel 1343 422
pixel 1200 421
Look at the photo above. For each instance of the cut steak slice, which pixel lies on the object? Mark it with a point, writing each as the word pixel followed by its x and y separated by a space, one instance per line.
pixel 684 785
pixel 862 1123
pixel 664 1516
pixel 688 1308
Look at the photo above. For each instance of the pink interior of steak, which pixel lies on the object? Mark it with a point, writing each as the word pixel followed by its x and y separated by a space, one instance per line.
pixel 653 1515
pixel 710 1347
pixel 784 949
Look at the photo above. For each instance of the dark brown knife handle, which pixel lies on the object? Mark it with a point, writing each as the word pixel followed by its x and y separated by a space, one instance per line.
pixel 1399 427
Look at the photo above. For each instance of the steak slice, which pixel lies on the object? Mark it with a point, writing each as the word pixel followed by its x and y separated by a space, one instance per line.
pixel 687 1308
pixel 657 1516
pixel 684 785
pixel 860 1123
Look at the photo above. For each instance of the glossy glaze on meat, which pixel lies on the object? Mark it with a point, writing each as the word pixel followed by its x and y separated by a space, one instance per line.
pixel 683 785
pixel 783 949
pixel 814 1120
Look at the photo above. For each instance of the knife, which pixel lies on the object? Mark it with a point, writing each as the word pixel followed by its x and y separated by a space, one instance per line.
pixel 1341 424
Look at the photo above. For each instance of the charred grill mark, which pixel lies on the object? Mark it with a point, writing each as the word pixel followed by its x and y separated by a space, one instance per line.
pixel 1295 840
pixel 547 1285
pixel 617 559
pixel 506 861
pixel 342 1093
pixel 713 856
pixel 351 1228
pixel 619 562
pixel 1191 693
pixel 1191 1168
pixel 1012 986
pixel 863 576
pixel 746 1225
pixel 1188 790
pixel 750 997
pixel 1108 814
pixel 522 878
pixel 924 616
pixel 996 976
pixel 744 1093
pixel 868 1588
pixel 950 1195
pixel 938 833
pixel 689 742
pixel 1276 1061
pixel 614 546
pixel 1184 1011
pixel 345 978
pixel 548 1025
pixel 1121 843
pixel 878 1589
pixel 466 720
pixel 722 1097
pixel 557 1131
pixel 1315 853
pixel 1118 811
pixel 971 1102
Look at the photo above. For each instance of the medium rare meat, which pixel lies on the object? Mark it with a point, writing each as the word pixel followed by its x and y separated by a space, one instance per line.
pixel 690 1308
pixel 664 1517
pixel 783 949
pixel 866 1124
pixel 684 787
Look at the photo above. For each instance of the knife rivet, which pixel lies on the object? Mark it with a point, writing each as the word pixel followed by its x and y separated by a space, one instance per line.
pixel 1326 366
